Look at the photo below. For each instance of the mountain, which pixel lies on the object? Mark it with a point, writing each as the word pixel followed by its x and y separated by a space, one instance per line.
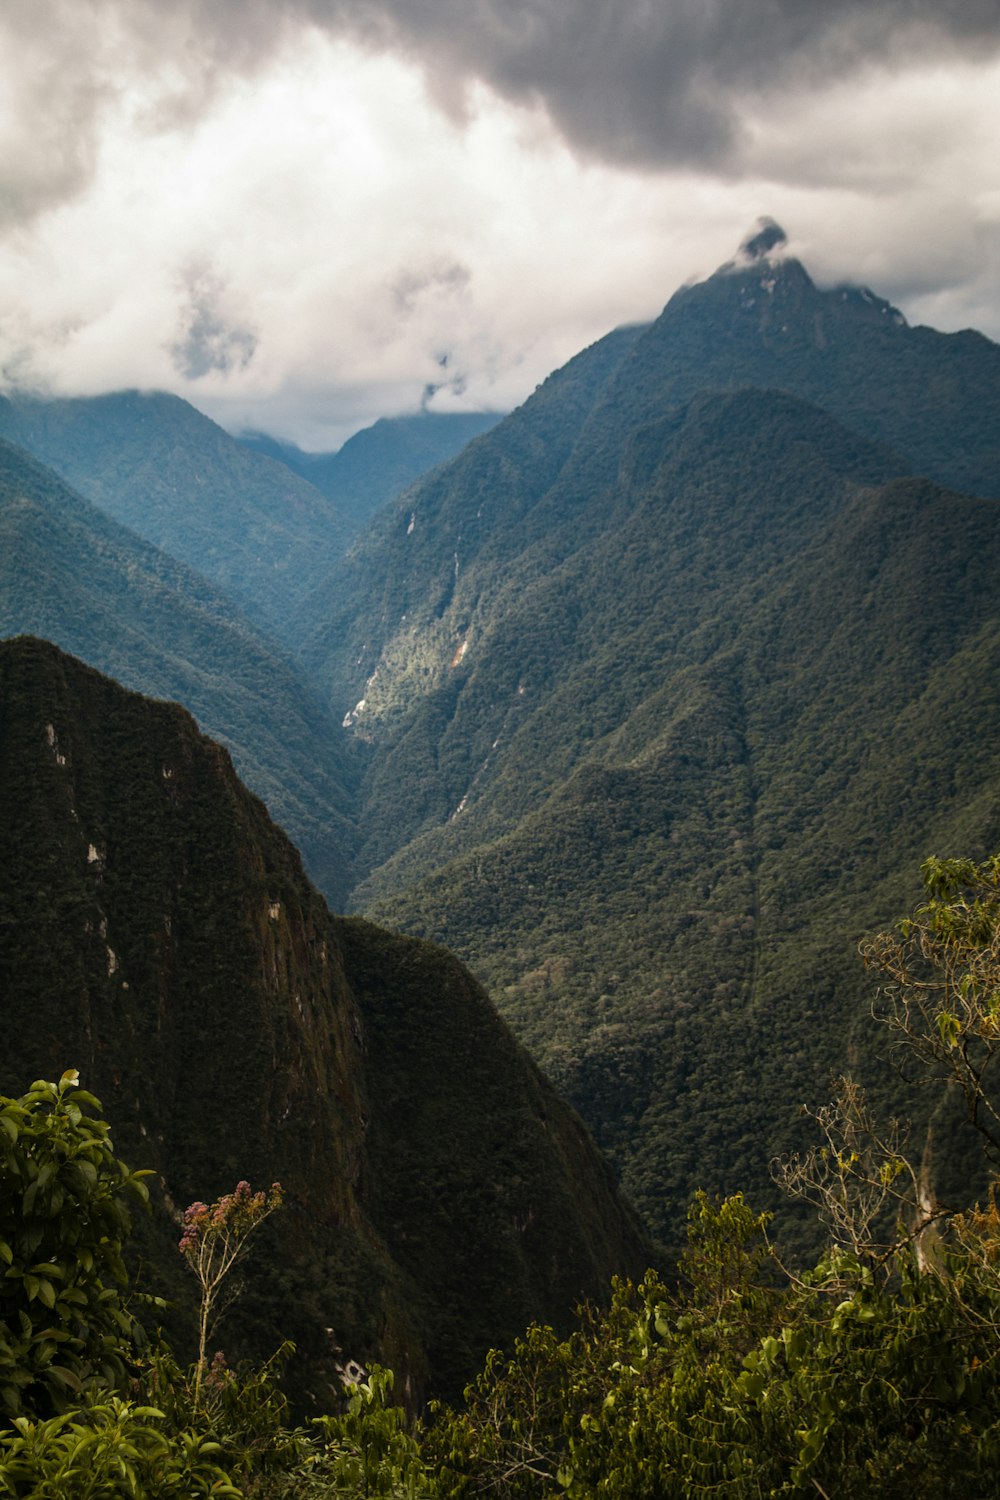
pixel 487 495
pixel 761 321
pixel 667 685
pixel 157 932
pixel 151 461
pixel 70 573
pixel 379 461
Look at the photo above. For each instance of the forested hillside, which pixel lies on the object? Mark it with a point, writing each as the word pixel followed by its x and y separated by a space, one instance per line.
pixel 666 687
pixel 151 461
pixel 70 573
pixel 648 704
pixel 379 461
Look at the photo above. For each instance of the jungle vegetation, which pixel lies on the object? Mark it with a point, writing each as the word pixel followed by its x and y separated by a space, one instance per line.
pixel 871 1371
pixel 646 705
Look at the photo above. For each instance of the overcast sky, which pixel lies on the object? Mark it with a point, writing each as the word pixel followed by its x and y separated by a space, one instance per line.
pixel 304 214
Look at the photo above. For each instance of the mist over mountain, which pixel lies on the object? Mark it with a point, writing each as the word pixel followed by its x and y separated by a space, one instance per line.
pixel 761 321
pixel 648 703
pixel 157 933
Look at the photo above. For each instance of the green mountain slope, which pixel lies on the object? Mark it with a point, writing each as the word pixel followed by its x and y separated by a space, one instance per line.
pixel 157 932
pixel 561 644
pixel 761 321
pixel 552 468
pixel 151 461
pixel 478 506
pixel 379 461
pixel 73 575
pixel 666 687
pixel 680 914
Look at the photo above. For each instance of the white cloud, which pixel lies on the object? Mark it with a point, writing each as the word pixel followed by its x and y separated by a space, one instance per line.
pixel 309 242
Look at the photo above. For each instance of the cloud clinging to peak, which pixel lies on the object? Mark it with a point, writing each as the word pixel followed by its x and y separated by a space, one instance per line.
pixel 304 213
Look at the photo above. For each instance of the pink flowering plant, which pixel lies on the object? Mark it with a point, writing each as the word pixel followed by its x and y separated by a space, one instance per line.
pixel 215 1236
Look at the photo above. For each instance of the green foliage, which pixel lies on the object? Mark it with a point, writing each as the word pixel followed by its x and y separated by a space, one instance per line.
pixel 113 1450
pixel 735 1379
pixel 742 1386
pixel 864 1188
pixel 941 990
pixel 585 1414
pixel 244 1411
pixel 366 1450
pixel 65 1328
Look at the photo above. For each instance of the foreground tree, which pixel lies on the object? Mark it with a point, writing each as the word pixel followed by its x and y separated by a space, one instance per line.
pixel 215 1238
pixel 70 1349
pixel 65 1328
pixel 940 987
pixel 877 1372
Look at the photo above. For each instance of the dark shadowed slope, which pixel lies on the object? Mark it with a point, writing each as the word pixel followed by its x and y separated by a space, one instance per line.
pixel 157 932
pixel 70 573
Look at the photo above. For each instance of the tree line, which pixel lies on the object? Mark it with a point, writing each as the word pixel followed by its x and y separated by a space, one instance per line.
pixel 872 1371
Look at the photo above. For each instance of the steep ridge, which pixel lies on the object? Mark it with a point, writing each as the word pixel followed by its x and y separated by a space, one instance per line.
pixel 761 321
pixel 673 927
pixel 415 552
pixel 551 468
pixel 563 643
pixel 157 932
pixel 70 573
pixel 259 532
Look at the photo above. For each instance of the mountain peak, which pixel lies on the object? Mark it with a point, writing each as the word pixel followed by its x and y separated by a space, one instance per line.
pixel 761 239
pixel 764 244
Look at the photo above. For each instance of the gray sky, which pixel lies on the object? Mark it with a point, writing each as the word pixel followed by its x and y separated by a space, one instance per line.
pixel 304 214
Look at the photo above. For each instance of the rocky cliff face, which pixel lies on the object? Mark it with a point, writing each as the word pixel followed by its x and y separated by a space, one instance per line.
pixel 157 932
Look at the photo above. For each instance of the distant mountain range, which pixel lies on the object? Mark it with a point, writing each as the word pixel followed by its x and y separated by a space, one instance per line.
pixel 379 461
pixel 70 573
pixel 156 465
pixel 158 934
pixel 648 702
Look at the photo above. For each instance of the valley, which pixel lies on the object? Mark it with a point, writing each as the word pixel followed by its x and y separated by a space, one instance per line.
pixel 647 703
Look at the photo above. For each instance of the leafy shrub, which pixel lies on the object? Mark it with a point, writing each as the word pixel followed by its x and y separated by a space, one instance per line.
pixel 114 1450
pixel 65 1330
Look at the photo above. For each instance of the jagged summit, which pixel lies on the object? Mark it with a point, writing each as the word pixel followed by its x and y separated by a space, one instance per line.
pixel 764 245
pixel 764 251
pixel 759 241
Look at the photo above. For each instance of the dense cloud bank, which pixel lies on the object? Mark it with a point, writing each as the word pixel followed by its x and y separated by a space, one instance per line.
pixel 470 169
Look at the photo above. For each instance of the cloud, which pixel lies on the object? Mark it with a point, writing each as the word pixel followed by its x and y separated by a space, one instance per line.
pixel 413 284
pixel 209 339
pixel 656 83
pixel 303 215
pixel 647 83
